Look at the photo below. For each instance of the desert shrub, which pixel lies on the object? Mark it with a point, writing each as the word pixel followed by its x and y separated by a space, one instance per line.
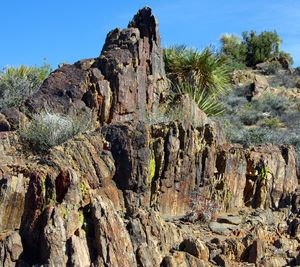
pixel 233 51
pixel 202 208
pixel 262 135
pixel 252 136
pixel 46 130
pixel 17 84
pixel 250 117
pixel 272 122
pixel 273 103
pixel 291 119
pixel 283 79
pixel 233 100
pixel 164 114
pixel 262 47
pixel 253 48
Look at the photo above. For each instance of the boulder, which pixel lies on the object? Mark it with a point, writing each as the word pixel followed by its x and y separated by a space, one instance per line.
pixel 4 124
pixel 183 259
pixel 10 249
pixel 271 176
pixel 196 248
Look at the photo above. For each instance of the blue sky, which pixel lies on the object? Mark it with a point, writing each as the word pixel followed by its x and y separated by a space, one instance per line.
pixel 66 31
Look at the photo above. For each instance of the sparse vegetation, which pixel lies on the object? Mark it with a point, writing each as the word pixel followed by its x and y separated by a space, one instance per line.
pixel 272 122
pixel 272 118
pixel 46 130
pixel 202 208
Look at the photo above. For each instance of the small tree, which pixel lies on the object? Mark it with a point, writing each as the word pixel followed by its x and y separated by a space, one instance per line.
pixel 262 47
pixel 252 49
pixel 233 47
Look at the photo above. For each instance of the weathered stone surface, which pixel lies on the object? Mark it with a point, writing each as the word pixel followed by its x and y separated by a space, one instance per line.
pixel 10 249
pixel 231 175
pixel 120 195
pixel 255 252
pixel 192 112
pixel 183 259
pixel 275 189
pixel 130 142
pixel 152 237
pixel 137 148
pixel 196 248
pixel 13 116
pixel 275 262
pixel 260 84
pixel 232 219
pixel 113 244
pixel 131 60
pixel 222 228
pixel 79 251
pixel 61 92
pixel 12 198
pixel 4 124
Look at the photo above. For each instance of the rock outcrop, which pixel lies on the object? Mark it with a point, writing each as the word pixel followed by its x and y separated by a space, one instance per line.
pixel 134 193
pixel 127 79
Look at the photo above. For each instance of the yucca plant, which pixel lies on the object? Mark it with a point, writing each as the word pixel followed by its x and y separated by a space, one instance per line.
pixel 207 102
pixel 202 75
pixel 204 69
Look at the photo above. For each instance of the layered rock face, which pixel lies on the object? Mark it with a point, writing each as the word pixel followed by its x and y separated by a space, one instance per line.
pixel 133 193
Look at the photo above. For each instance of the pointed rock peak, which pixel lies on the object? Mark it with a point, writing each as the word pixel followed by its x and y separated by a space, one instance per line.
pixel 146 22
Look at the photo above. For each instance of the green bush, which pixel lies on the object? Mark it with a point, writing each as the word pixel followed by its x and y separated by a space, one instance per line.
pixel 274 103
pixel 249 117
pixel 233 50
pixel 46 130
pixel 253 48
pixel 17 84
pixel 272 122
pixel 262 47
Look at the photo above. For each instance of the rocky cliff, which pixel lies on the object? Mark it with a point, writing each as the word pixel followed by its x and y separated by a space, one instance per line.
pixel 134 193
